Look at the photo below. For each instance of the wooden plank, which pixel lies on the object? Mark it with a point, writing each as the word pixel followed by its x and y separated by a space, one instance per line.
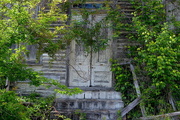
pixel 135 81
pixel 7 84
pixel 137 89
pixel 161 116
pixel 172 101
pixel 130 106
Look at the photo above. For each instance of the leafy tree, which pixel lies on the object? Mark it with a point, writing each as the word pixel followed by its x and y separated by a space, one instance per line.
pixel 24 23
pixel 24 107
pixel 11 107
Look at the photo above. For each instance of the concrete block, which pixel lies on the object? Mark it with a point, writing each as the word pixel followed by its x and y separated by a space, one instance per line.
pixel 72 97
pixel 73 105
pixel 63 105
pixel 109 95
pixel 96 104
pixel 117 95
pixel 88 105
pixel 103 105
pixel 62 96
pixel 119 105
pixel 110 105
pixel 95 95
pixel 102 95
pixel 88 94
pixel 80 96
pixel 80 105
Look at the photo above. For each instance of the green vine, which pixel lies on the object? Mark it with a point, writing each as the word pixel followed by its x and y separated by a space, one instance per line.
pixel 123 81
pixel 156 58
pixel 124 84
pixel 89 33
pixel 157 55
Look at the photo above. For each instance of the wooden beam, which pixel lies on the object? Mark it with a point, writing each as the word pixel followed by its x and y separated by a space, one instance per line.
pixel 137 89
pixel 135 80
pixel 130 106
pixel 171 101
pixel 7 84
pixel 161 116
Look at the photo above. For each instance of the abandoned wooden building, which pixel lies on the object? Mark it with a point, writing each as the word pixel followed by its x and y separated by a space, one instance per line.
pixel 90 72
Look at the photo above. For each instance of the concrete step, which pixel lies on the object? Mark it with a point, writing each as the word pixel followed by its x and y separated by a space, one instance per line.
pixel 88 115
pixel 95 104
pixel 96 94
pixel 88 104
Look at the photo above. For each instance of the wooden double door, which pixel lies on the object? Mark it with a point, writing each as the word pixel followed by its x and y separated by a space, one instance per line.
pixel 90 69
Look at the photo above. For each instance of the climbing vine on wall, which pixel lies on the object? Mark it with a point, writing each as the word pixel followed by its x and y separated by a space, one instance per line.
pixel 24 23
pixel 156 56
pixel 124 82
pixel 86 30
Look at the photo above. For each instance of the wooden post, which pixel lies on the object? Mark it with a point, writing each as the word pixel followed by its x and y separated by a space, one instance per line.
pixel 7 84
pixel 137 89
pixel 171 101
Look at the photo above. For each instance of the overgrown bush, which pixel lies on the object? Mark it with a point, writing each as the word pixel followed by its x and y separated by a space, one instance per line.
pixel 14 107
pixel 11 107
pixel 156 57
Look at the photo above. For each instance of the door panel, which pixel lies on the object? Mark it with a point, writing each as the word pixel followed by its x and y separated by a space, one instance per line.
pixel 79 76
pixel 101 76
pixel 101 71
pixel 79 66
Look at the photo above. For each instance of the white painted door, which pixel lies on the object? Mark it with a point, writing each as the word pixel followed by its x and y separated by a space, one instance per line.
pixel 91 69
pixel 101 74
pixel 79 66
